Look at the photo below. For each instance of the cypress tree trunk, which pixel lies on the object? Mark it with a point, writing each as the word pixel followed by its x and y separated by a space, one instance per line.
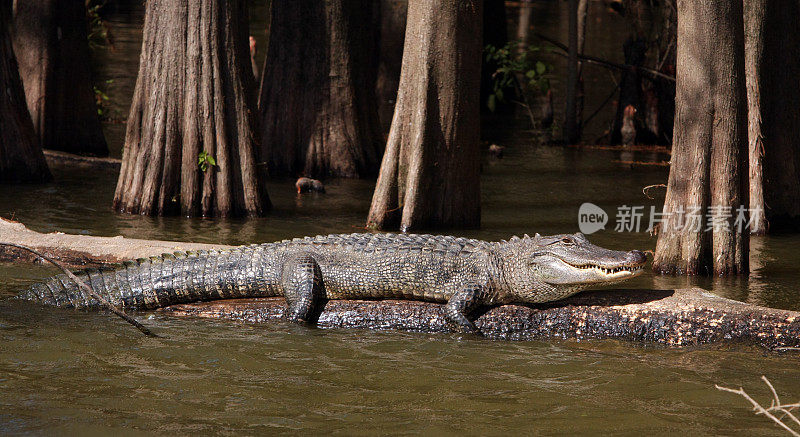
pixel 21 158
pixel 194 94
pixel 390 57
pixel 317 100
pixel 773 66
pixel 709 152
pixel 754 52
pixel 430 174
pixel 583 13
pixel 524 23
pixel 570 134
pixel 50 41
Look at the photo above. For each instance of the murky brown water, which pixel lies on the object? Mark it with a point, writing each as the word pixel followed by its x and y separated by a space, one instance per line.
pixel 66 372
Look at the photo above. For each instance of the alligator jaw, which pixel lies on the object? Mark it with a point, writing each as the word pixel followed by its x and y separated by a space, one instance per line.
pixel 602 273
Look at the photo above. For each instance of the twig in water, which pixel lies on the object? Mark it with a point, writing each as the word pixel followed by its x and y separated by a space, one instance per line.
pixel 775 406
pixel 644 190
pixel 88 289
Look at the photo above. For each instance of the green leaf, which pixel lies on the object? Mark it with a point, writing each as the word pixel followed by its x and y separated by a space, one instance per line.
pixel 541 68
pixel 205 161
pixel 491 102
pixel 499 95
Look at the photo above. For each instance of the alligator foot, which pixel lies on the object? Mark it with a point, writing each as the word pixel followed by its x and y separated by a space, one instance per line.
pixel 303 286
pixel 461 304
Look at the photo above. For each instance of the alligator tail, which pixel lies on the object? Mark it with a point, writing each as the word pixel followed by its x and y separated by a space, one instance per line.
pixel 159 281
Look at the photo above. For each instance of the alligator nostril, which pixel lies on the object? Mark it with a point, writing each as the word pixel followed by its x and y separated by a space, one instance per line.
pixel 637 257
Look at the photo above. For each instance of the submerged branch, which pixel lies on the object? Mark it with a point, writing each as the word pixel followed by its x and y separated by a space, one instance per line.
pixel 603 62
pixel 86 288
pixel 776 406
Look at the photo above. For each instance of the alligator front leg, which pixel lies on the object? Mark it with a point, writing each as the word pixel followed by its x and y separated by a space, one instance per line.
pixel 461 304
pixel 303 287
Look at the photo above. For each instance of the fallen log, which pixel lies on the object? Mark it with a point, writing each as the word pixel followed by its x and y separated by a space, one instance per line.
pixel 683 317
pixel 83 250
pixel 57 158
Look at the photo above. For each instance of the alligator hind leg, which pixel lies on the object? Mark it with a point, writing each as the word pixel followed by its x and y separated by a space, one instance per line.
pixel 461 304
pixel 303 287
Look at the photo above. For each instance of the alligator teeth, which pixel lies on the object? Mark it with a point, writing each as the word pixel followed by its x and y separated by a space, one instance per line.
pixel 610 270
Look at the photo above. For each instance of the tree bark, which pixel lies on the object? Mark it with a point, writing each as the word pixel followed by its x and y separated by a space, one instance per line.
pixel 570 134
pixel 524 24
pixel 51 44
pixel 773 66
pixel 317 100
pixel 21 157
pixel 430 174
pixel 194 94
pixel 709 152
pixel 754 52
pixel 390 57
pixel 583 13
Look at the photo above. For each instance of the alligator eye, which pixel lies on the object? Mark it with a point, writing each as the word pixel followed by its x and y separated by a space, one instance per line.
pixel 567 240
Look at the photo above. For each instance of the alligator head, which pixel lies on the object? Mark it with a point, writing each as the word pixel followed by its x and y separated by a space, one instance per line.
pixel 546 268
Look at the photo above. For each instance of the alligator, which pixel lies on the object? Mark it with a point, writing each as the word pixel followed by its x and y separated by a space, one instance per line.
pixel 462 273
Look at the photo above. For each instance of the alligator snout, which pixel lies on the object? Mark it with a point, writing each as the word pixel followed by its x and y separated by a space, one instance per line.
pixel 636 257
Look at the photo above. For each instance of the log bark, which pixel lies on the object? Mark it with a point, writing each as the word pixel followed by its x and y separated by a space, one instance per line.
pixel 194 93
pixel 317 101
pixel 709 152
pixel 21 158
pixel 52 48
pixel 81 251
pixel 55 158
pixel 675 318
pixel 686 317
pixel 430 171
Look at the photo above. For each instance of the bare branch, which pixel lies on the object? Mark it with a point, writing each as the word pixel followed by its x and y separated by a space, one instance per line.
pixel 777 406
pixel 772 389
pixel 759 409
pixel 606 63
pixel 644 190
pixel 88 289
